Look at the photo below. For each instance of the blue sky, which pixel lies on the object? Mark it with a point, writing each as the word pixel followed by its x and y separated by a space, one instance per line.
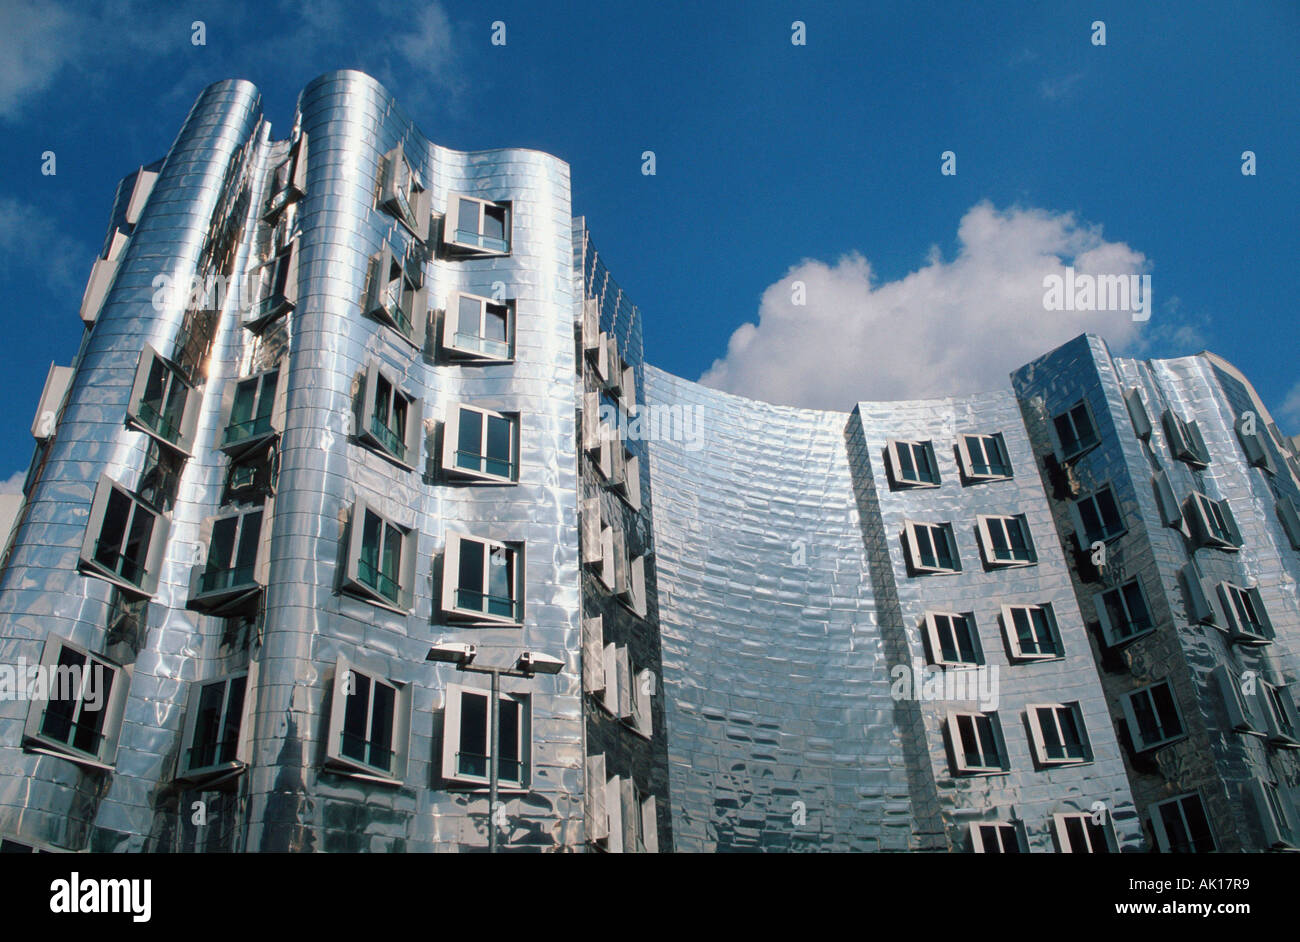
pixel 775 163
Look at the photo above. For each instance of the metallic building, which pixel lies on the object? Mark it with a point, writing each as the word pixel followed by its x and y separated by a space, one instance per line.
pixel 346 395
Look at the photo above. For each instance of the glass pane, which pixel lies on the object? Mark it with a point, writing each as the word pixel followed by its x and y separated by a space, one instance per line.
pixel 471 576
pixel 136 550
pixel 509 723
pixel 381 727
pixel 89 726
pixel 467 319
pixel 496 323
pixel 113 532
pixel 242 409
pixel 234 716
pixel 467 217
pixel 494 222
pixel 62 706
pixel 207 727
pixel 368 564
pixel 469 440
pixel 353 744
pixel 501 581
pixel 500 441
pixel 472 758
pixel 249 538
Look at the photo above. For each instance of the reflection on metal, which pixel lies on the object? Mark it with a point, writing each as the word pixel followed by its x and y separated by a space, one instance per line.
pixel 746 639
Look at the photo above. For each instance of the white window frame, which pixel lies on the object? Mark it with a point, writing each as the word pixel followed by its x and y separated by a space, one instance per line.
pixel 934 637
pixel 35 739
pixel 352 581
pixel 961 760
pixel 191 401
pixel 412 300
pixel 193 774
pixel 412 444
pixel 594 678
pixel 221 598
pixel 453 226
pixel 1140 744
pixel 1086 539
pixel 1012 635
pixel 629 574
pixel 89 565
pixel 1003 831
pixel 451 579
pixel 451 736
pixel 1158 824
pixel 1038 736
pixel 1201 513
pixel 456 342
pixel 1234 597
pixel 926 448
pixel 451 443
pixel 626 479
pixel 1116 635
pixel 1081 447
pixel 991 524
pixel 1060 828
pixel 289 181
pixel 1185 440
pixel 403 194
pixel 914 546
pixel 245 441
pixel 277 287
pixel 335 758
pixel 986 442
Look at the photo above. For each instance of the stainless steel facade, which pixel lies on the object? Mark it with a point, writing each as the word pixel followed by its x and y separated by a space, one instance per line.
pixel 728 582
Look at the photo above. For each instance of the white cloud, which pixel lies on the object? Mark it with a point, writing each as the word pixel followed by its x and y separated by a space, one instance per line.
pixel 14 483
pixel 1289 411
pixel 32 246
pixel 948 328
pixel 39 38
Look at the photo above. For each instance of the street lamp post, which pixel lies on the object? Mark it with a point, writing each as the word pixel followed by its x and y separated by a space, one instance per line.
pixel 527 665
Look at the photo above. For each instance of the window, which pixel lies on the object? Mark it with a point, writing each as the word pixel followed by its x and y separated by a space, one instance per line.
pixel 124 540
pixel 402 194
pixel 1137 413
pixel 953 639
pixel 80 715
pixel 391 419
pixel 638 689
pixel 1290 519
pixel 1275 817
pixel 397 296
pixel 254 412
pixel 276 282
pixel 236 556
pixel 1058 734
pixel 290 180
pixel 621 817
pixel 1076 431
pixel 593 655
pixel 1212 523
pixel 370 725
pixel 1253 444
pixel 476 226
pixel 479 328
pixel 1031 632
pixel 629 573
pixel 1240 700
pixel 931 548
pixel 1185 440
pixel 626 477
pixel 977 743
pixel 483 580
pixel 1006 541
pixel 1082 834
pixel 984 457
pixel 1171 513
pixel 1279 711
pixel 1123 612
pixel 1182 826
pixel 161 405
pixel 1248 622
pixel 1153 717
pixel 380 562
pixel 646 822
pixel 996 837
pixel 913 464
pixel 1097 518
pixel 218 722
pixel 481 445
pixel 467 738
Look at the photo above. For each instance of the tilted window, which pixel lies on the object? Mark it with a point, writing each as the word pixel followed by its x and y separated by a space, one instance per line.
pixel 1031 632
pixel 477 227
pixel 402 194
pixel 1083 834
pixel 977 743
pixel 479 444
pixel 370 725
pixel 380 562
pixel 398 297
pixel 1123 612
pixel 996 837
pixel 479 328
pixel 1153 716
pixel 1212 523
pixel 984 457
pixel 1248 621
pixel 1275 813
pixel 163 404
pixel 1075 430
pixel 913 464
pixel 253 411
pixel 467 738
pixel 952 639
pixel 290 179
pixel 1059 736
pixel 1006 540
pixel 1254 444
pixel 218 727
pixel 391 420
pixel 1185 440
pixel 1182 827
pixel 78 715
pixel 125 539
pixel 932 548
pixel 1097 518
pixel 234 572
pixel 276 288
pixel 483 580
